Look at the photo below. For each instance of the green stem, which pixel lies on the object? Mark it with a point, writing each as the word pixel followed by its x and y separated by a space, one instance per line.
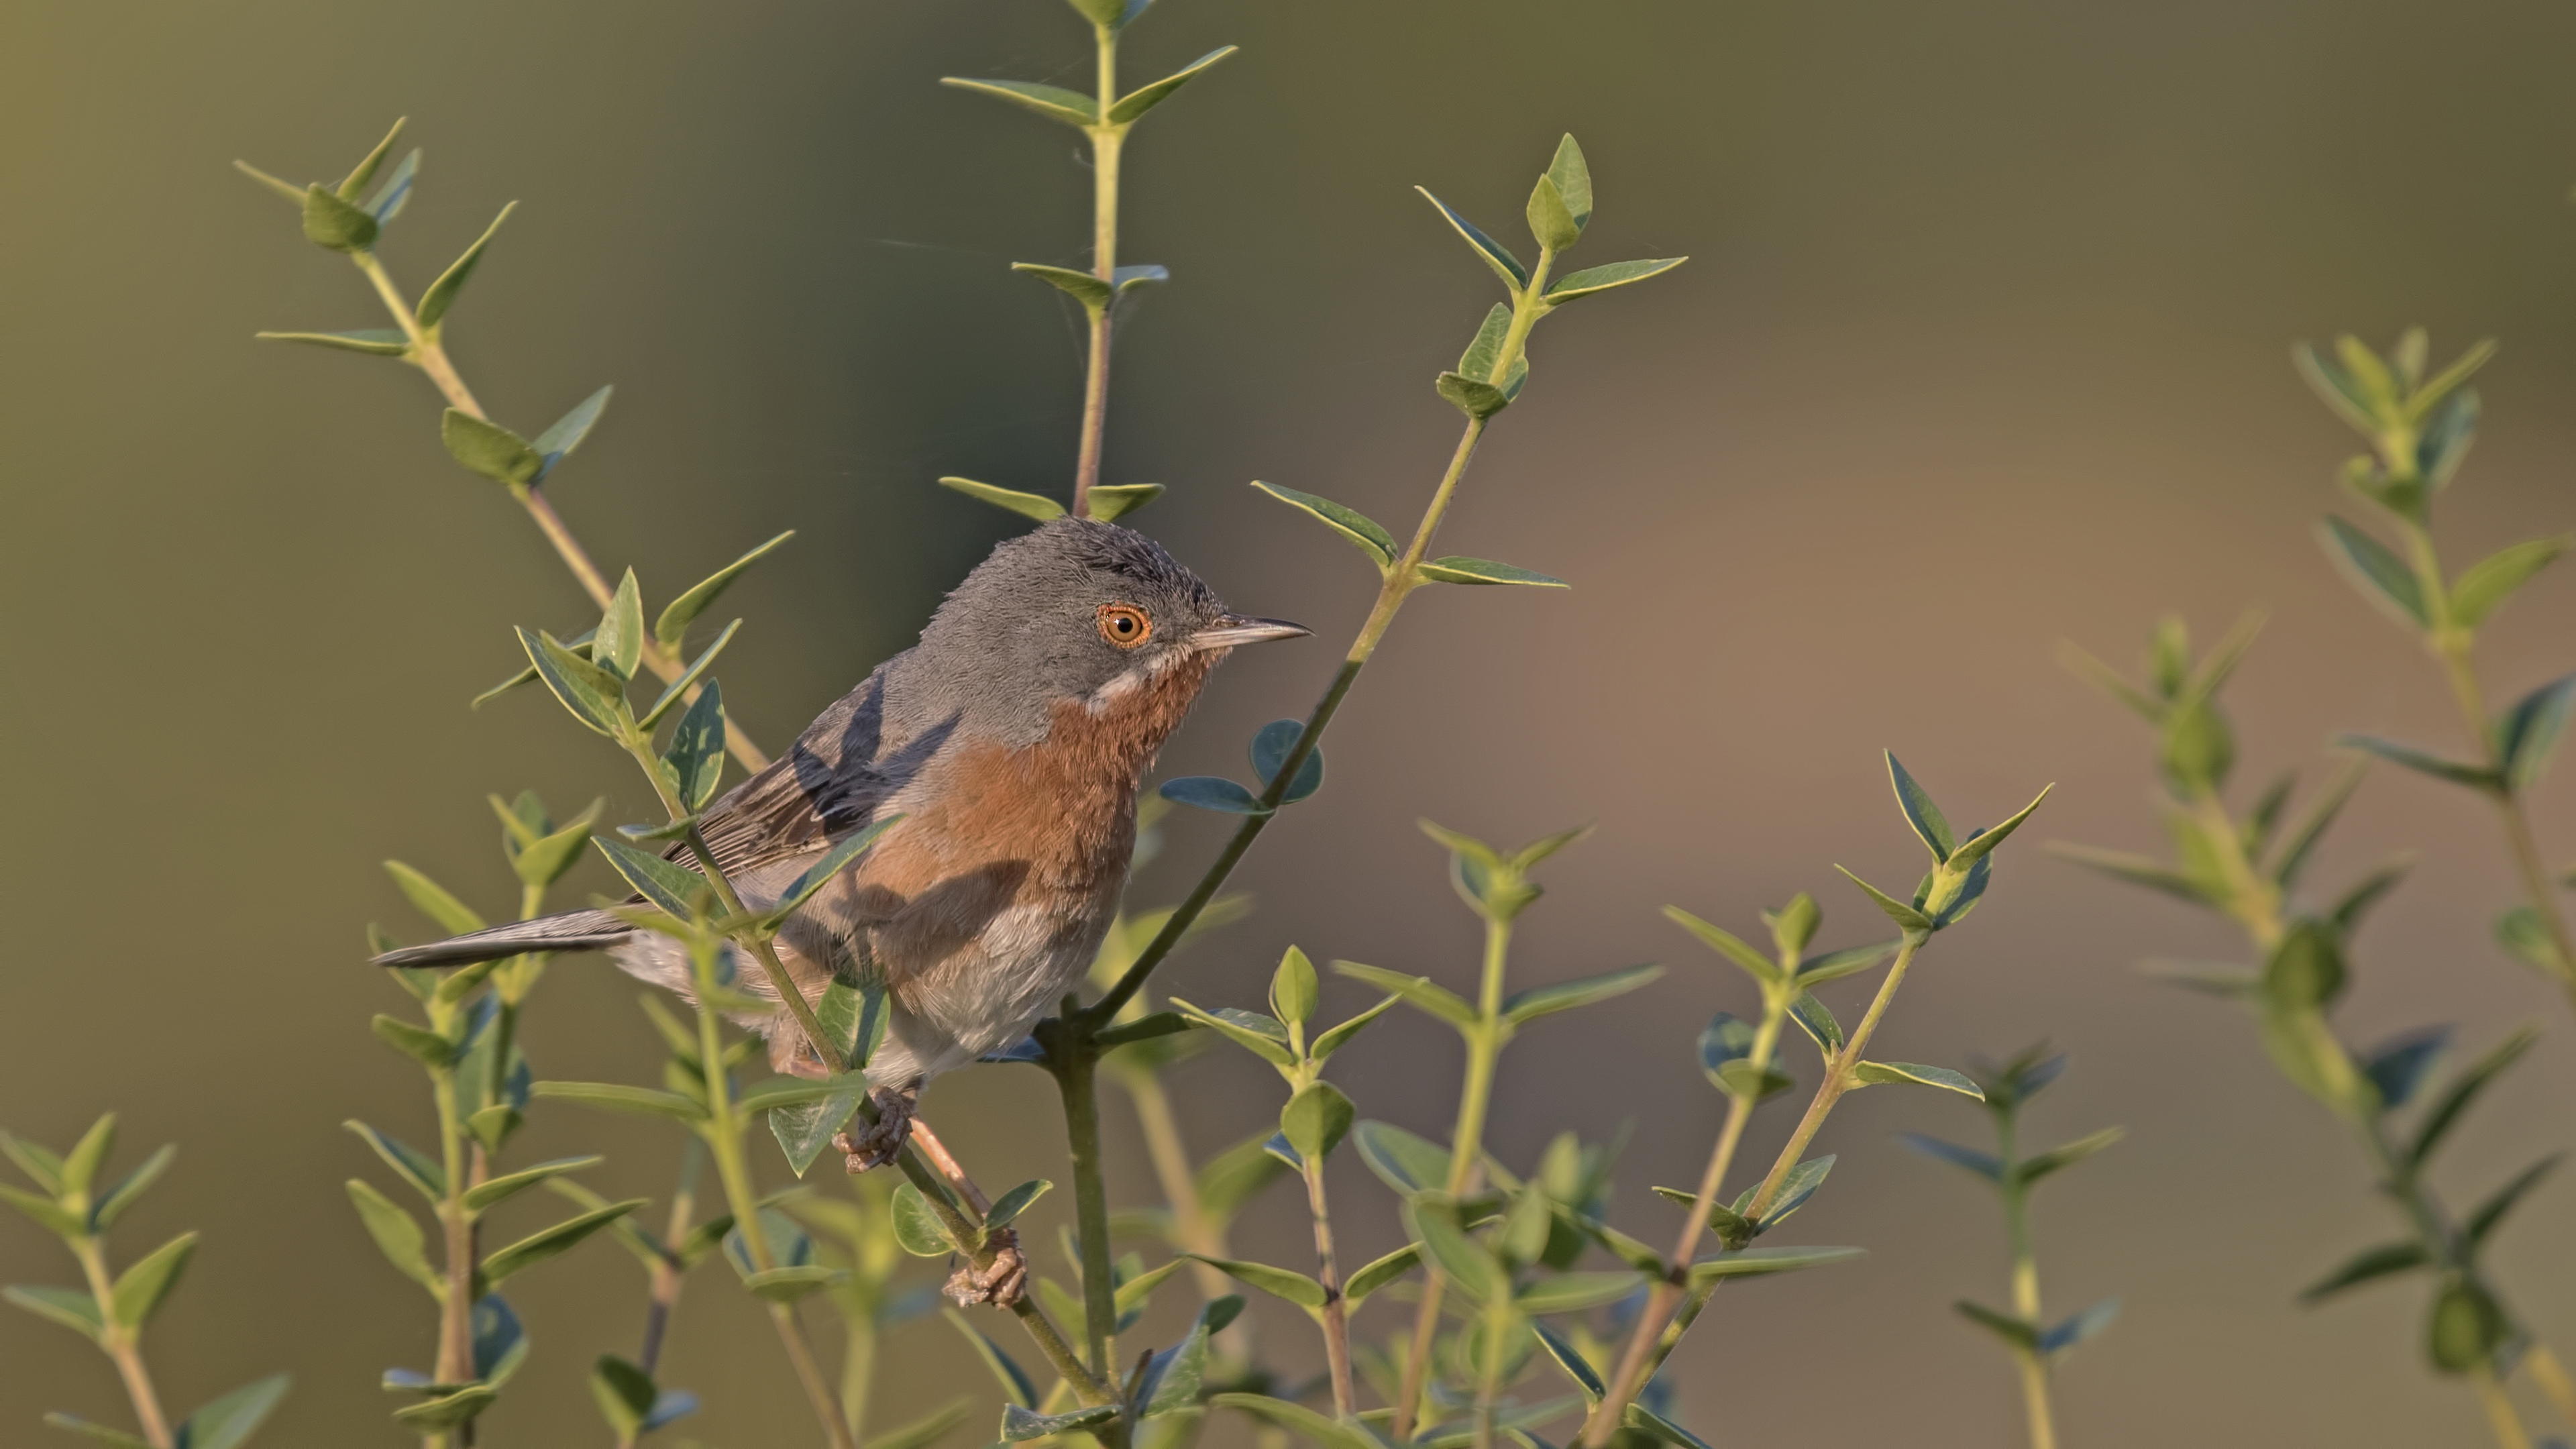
pixel 1635 1360
pixel 123 1345
pixel 1400 580
pixel 1075 1058
pixel 1107 141
pixel 429 354
pixel 667 1274
pixel 1489 1372
pixel 1336 1317
pixel 2025 1279
pixel 1606 1415
pixel 2501 1416
pixel 1466 1156
pixel 455 1363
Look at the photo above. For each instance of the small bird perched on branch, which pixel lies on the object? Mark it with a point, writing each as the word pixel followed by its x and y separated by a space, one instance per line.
pixel 1011 740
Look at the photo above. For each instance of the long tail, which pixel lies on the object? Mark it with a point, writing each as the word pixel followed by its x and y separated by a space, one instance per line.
pixel 571 931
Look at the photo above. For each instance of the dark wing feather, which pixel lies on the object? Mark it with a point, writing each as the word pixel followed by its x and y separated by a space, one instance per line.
pixel 829 783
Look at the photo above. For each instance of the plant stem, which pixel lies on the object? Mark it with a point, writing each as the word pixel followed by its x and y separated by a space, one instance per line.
pixel 1466 1157
pixel 1401 579
pixel 667 1272
pixel 1633 1368
pixel 456 1306
pixel 1107 141
pixel 429 354
pixel 724 1131
pixel 2025 1277
pixel 1639 1369
pixel 122 1344
pixel 1076 1060
pixel 2501 1417
pixel 1337 1315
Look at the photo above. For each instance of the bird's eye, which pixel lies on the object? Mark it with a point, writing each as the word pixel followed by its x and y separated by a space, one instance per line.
pixel 1125 625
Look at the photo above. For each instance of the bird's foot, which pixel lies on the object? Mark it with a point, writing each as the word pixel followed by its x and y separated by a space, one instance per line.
pixel 1000 1282
pixel 878 1142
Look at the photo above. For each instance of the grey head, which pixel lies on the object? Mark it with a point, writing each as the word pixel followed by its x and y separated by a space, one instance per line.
pixel 1073 610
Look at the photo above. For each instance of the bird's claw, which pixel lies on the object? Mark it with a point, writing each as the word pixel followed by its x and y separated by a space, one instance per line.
pixel 879 1142
pixel 1001 1282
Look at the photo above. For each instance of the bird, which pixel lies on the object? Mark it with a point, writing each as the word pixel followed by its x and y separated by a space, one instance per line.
pixel 1007 747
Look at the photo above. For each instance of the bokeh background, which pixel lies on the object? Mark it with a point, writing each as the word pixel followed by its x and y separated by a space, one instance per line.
pixel 1983 345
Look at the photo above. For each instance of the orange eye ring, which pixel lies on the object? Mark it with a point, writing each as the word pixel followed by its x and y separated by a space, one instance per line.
pixel 1124 625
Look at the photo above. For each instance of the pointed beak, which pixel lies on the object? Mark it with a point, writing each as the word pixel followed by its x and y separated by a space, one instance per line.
pixel 1232 629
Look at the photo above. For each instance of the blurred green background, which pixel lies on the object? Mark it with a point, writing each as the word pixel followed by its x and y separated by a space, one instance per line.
pixel 1983 345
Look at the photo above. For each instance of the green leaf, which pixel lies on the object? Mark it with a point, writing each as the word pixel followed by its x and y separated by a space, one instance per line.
pixel 1906 917
pixel 1885 1073
pixel 2137 870
pixel 673 625
pixel 1071 108
pixel 1817 1021
pixel 1212 792
pixel 1800 1185
pixel 618 1097
pixel 2306 971
pixel 1834 965
pixel 1978 846
pixel 1362 531
pixel 1323 1047
pixel 2018 1333
pixel 409 1163
pixel 500 1188
pixel 397 1235
pixel 1495 254
pixel 557 442
pixel 1324 1432
pixel 2062 1339
pixel 1092 292
pixel 2483 1221
pixel 1379 1272
pixel 618 644
pixel 2381 576
pixel 1484 355
pixel 1297 1288
pixel 1144 98
pixel 1249 1030
pixel 1468 1265
pixel 73 1308
pixel 2347 911
pixel 1551 223
pixel 448 1410
pixel 1753 1262
pixel 676 889
pixel 365 171
pixel 1316 1119
pixel 2521 932
pixel 2457 772
pixel 917 1228
pixel 2040 1165
pixel 389 198
pixel 1419 992
pixel 442 293
pixel 1575 1292
pixel 1571 1360
pixel 74 1424
pixel 926 1430
pixel 1408 1164
pixel 1270 747
pixel 1293 992
pixel 624 1393
pixel 1529 1005
pixel 1983 1164
pixel 418 1043
pixel 1008 1207
pixel 804 1129
pixel 80 1165
pixel 2466 1328
pixel 1113 501
pixel 1472 396
pixel 433 900
pixel 1014 1380
pixel 1459 569
pixel 1602 279
pixel 1573 181
pixel 697 750
pixel 373 341
pixel 1019 1425
pixel 342 226
pixel 2527 734
pixel 40 1165
pixel 45 1212
pixel 1760 967
pixel 542 861
pixel 1655 1426
pixel 2446 1110
pixel 1921 814
pixel 550 1242
pixel 2485 585
pixel 490 449
pixel 106 1207
pixel 2364 1266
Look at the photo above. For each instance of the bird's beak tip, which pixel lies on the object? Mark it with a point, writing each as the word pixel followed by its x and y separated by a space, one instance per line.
pixel 1234 629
